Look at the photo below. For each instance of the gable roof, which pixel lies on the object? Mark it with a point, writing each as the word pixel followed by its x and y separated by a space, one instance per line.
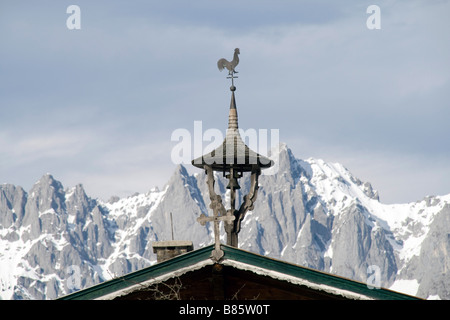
pixel 238 259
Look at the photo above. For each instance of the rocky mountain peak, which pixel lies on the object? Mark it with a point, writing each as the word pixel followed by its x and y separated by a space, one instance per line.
pixel 309 212
pixel 12 205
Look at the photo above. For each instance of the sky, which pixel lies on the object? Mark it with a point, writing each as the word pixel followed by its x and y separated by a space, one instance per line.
pixel 98 105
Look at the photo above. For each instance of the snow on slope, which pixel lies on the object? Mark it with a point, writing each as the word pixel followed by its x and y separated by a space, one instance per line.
pixel 336 184
pixel 409 223
pixel 129 218
pixel 11 264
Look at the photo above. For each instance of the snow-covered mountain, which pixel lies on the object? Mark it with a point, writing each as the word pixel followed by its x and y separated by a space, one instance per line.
pixel 54 240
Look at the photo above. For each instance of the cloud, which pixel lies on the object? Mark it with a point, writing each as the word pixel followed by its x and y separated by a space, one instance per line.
pixel 400 178
pixel 124 168
pixel 24 150
pixel 104 100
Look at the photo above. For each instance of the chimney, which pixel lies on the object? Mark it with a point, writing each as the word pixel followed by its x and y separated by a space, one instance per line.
pixel 166 250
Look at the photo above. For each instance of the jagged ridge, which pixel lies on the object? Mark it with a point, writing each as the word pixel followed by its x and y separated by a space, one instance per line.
pixel 310 212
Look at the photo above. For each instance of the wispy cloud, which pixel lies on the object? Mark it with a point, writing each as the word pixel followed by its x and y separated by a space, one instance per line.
pixel 102 102
pixel 25 150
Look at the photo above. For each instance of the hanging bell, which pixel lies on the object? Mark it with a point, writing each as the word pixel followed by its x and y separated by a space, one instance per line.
pixel 233 184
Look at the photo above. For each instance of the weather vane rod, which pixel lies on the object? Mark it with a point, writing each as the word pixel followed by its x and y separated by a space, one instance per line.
pixel 230 66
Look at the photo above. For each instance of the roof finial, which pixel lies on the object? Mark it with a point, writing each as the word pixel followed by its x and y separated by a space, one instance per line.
pixel 224 63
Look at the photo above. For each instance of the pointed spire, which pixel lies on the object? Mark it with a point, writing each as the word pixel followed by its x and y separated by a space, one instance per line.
pixel 233 154
pixel 233 117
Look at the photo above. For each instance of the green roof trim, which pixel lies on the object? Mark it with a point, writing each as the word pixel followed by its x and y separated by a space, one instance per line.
pixel 312 275
pixel 241 256
pixel 130 279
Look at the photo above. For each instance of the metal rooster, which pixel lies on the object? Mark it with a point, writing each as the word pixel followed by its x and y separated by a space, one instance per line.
pixel 224 63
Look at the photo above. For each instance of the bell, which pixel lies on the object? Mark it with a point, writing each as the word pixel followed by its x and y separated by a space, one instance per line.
pixel 233 184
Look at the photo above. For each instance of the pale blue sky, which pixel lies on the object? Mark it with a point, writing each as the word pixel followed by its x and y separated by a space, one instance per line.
pixel 98 105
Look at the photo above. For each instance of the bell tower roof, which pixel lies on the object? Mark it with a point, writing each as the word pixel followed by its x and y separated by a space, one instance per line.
pixel 233 152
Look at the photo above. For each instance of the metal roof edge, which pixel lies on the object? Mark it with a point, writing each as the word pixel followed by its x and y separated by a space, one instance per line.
pixel 312 275
pixel 131 279
pixel 189 260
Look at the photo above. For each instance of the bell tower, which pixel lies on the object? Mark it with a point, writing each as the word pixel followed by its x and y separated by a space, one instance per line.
pixel 233 157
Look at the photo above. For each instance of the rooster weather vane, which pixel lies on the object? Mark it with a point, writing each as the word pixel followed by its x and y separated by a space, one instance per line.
pixel 230 65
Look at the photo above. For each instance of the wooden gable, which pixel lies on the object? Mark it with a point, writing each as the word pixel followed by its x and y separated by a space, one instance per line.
pixel 219 282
